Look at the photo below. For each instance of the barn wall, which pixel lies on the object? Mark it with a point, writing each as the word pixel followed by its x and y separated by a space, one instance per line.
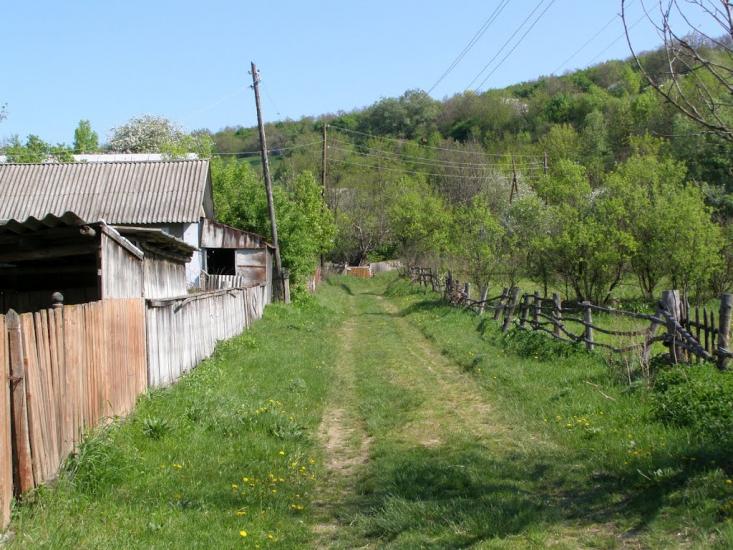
pixel 252 265
pixel 164 278
pixel 122 272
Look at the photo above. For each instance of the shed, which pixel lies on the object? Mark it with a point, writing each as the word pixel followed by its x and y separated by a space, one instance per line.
pixel 85 262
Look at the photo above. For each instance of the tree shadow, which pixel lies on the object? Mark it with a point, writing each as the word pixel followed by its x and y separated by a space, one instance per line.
pixel 465 494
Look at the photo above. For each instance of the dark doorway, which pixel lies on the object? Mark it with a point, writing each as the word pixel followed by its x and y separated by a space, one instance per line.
pixel 220 261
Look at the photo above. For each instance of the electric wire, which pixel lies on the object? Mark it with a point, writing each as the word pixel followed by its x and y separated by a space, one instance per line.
pixel 508 41
pixel 404 171
pixel 432 147
pixel 521 39
pixel 471 43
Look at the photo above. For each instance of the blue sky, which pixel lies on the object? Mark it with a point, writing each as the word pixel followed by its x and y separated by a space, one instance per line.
pixel 107 61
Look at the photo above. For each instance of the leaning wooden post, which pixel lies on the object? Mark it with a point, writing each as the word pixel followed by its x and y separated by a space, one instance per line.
pixel 724 320
pixel 556 314
pixel 500 306
pixel 523 310
pixel 651 333
pixel 509 311
pixel 672 305
pixel 536 310
pixel 467 290
pixel 588 323
pixel 22 465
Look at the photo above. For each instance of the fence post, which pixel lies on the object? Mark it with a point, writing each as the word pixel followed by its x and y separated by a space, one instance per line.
pixel 556 314
pixel 500 306
pixel 448 285
pixel 523 310
pixel 22 465
pixel 482 299
pixel 467 290
pixel 509 311
pixel 536 309
pixel 724 320
pixel 671 303
pixel 588 322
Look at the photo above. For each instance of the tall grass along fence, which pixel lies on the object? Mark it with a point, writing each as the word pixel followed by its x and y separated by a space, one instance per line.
pixel 184 331
pixel 71 368
pixel 689 334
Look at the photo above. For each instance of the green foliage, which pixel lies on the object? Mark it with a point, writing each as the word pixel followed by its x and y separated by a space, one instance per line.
pixel 36 150
pixel 156 428
pixel 700 398
pixel 305 225
pixel 86 140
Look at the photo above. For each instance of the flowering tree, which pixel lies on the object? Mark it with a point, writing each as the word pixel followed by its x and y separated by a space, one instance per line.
pixel 155 134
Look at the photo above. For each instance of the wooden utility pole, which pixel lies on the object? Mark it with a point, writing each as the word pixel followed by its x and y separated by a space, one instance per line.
pixel 323 161
pixel 268 181
pixel 515 189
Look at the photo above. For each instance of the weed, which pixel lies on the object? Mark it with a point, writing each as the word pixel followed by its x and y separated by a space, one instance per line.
pixel 156 428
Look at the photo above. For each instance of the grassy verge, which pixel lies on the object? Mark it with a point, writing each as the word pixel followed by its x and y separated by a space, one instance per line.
pixel 611 461
pixel 225 457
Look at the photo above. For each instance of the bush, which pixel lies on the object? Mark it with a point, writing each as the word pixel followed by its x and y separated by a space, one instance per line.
pixel 700 398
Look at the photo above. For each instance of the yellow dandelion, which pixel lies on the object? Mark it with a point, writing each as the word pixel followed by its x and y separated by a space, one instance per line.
pixel 235 486
pixel 281 453
pixel 245 479
pixel 241 513
pixel 729 481
pixel 270 536
pixel 243 533
pixel 274 491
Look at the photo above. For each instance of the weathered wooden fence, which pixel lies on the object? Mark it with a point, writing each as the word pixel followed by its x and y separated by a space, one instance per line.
pixel 183 331
pixel 362 272
pixel 688 339
pixel 219 282
pixel 69 369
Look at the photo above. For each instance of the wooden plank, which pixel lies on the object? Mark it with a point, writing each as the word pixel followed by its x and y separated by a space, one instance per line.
pixel 22 459
pixel 6 452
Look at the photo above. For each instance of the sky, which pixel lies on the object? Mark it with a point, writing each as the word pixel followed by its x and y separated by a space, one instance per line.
pixel 109 60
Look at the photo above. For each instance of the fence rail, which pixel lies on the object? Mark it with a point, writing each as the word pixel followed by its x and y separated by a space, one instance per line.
pixel 688 340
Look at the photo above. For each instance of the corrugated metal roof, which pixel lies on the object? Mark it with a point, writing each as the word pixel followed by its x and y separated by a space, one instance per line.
pixel 117 192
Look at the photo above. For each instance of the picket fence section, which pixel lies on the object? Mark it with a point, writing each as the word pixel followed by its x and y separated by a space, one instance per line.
pixel 184 331
pixel 72 368
pixel 687 339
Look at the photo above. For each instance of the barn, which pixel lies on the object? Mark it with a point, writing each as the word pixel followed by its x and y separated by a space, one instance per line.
pixel 143 200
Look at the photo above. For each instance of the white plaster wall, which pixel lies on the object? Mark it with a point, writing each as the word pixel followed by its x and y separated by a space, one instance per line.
pixel 194 267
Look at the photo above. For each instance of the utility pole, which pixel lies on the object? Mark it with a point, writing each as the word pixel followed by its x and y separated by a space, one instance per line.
pixel 323 161
pixel 515 189
pixel 268 181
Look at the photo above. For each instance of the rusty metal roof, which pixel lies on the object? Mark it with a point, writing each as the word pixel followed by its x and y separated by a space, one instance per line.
pixel 118 192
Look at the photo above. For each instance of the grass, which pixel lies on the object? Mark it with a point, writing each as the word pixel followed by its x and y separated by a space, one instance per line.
pixel 227 452
pixel 375 416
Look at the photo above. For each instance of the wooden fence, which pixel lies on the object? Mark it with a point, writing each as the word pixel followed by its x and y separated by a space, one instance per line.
pixel 219 282
pixel 362 272
pixel 688 339
pixel 183 331
pixel 69 369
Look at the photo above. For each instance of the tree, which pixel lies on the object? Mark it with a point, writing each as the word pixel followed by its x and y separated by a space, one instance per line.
pixel 36 150
pixel 699 67
pixel 86 140
pixel 477 243
pixel 3 111
pixel 305 225
pixel 154 134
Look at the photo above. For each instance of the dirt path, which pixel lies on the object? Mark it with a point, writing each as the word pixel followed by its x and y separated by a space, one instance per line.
pixel 345 442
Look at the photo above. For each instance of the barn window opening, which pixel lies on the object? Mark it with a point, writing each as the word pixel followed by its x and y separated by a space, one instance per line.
pixel 220 261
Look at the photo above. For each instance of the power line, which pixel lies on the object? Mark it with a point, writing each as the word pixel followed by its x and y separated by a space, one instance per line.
pixel 421 160
pixel 471 43
pixel 517 44
pixel 402 170
pixel 403 142
pixel 505 44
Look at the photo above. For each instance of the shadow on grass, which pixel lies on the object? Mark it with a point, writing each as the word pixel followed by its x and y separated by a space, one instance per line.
pixel 459 496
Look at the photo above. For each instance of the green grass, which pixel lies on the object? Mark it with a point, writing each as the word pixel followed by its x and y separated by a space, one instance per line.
pixel 172 475
pixel 611 461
